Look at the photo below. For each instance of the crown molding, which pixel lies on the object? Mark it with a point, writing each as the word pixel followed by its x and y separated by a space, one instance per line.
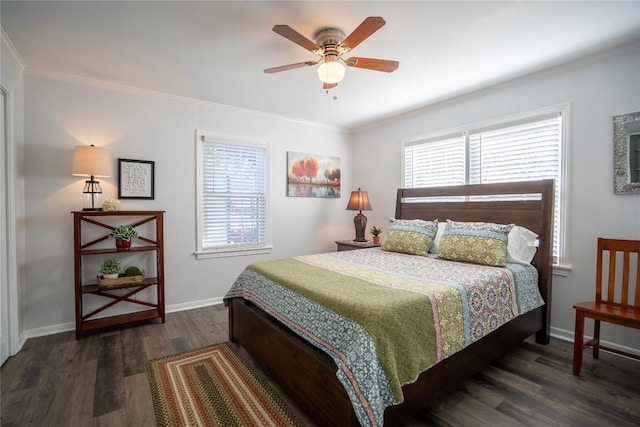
pixel 632 46
pixel 10 49
pixel 108 85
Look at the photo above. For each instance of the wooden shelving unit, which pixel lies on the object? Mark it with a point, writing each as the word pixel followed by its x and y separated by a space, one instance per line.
pixel 89 321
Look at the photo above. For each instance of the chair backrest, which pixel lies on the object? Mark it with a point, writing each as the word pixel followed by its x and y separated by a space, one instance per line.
pixel 626 281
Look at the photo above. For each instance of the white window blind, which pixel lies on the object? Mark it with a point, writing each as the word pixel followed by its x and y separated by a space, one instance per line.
pixel 233 195
pixel 436 163
pixel 516 152
pixel 524 150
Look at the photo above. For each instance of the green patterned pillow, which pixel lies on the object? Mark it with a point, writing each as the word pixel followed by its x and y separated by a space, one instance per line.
pixel 409 236
pixel 476 242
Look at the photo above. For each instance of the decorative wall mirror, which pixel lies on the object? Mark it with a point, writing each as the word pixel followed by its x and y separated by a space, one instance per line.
pixel 626 154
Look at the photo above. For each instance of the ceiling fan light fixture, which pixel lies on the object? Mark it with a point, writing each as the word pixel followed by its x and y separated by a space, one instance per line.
pixel 331 72
pixel 330 45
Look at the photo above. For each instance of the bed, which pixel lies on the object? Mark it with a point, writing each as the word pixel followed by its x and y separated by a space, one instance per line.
pixel 309 374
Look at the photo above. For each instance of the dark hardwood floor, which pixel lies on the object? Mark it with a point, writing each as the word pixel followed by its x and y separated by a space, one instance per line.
pixel 101 380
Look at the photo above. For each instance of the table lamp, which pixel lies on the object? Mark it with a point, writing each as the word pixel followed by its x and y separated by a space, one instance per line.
pixel 359 201
pixel 91 161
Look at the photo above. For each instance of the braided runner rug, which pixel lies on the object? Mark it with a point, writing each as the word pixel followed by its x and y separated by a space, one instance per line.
pixel 213 387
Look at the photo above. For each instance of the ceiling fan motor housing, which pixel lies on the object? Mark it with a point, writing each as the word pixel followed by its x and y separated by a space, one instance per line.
pixel 329 38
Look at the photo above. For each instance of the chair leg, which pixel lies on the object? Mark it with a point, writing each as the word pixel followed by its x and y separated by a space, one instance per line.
pixel 596 338
pixel 578 342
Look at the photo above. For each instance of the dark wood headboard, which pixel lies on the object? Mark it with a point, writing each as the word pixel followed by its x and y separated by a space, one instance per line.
pixel 536 215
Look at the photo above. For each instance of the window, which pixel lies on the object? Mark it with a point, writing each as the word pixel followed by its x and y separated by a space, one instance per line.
pixel 523 149
pixel 232 196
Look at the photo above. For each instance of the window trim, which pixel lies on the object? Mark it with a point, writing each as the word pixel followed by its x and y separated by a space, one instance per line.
pixel 561 264
pixel 201 252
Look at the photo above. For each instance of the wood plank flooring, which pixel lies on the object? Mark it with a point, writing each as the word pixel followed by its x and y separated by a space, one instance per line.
pixel 101 381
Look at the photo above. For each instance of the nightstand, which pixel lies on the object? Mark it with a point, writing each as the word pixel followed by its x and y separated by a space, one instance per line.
pixel 350 245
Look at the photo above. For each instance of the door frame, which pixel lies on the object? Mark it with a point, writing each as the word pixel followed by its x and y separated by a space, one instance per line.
pixel 10 243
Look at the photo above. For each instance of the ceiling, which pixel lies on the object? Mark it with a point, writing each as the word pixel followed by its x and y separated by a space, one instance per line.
pixel 216 51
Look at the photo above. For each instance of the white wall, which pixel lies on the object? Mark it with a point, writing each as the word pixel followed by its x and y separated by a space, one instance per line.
pixel 596 91
pixel 61 113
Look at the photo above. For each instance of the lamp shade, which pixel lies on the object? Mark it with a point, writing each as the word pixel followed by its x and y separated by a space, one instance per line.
pixel 331 72
pixel 359 201
pixel 89 160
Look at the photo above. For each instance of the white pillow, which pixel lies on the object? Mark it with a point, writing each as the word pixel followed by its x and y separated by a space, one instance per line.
pixel 521 246
pixel 433 249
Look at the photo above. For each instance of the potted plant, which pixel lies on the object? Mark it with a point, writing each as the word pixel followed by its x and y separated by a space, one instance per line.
pixel 132 271
pixel 123 235
pixel 375 232
pixel 110 268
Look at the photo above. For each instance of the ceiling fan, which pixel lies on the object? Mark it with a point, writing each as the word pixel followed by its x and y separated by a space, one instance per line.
pixel 331 45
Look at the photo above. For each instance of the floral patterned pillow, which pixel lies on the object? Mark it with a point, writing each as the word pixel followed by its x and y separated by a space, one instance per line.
pixel 409 236
pixel 476 242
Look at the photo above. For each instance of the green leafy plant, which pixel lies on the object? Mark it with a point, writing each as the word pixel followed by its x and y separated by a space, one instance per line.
pixel 375 231
pixel 124 232
pixel 133 271
pixel 110 266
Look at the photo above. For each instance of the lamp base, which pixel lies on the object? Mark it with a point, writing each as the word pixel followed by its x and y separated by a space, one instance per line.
pixel 360 222
pixel 92 196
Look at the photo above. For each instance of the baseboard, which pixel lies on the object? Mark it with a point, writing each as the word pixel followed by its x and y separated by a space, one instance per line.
pixel 191 305
pixel 558 333
pixel 563 334
pixel 71 326
pixel 49 330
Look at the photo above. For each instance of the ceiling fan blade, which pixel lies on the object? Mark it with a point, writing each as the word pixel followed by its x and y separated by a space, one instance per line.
pixel 364 30
pixel 290 67
pixel 329 85
pixel 291 34
pixel 373 64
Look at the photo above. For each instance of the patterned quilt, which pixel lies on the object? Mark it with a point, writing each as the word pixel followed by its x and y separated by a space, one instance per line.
pixel 385 317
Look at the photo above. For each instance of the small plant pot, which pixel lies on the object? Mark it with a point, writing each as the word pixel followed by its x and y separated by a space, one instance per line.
pixel 376 240
pixel 123 245
pixel 110 276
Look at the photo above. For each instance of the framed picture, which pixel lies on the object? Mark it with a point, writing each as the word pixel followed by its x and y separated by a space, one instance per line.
pixel 311 175
pixel 626 153
pixel 135 179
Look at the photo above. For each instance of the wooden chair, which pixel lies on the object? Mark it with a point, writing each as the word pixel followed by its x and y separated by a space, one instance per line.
pixel 619 305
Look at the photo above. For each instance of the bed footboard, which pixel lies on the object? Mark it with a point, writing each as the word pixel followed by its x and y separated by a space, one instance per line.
pixel 305 373
pixel 308 375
